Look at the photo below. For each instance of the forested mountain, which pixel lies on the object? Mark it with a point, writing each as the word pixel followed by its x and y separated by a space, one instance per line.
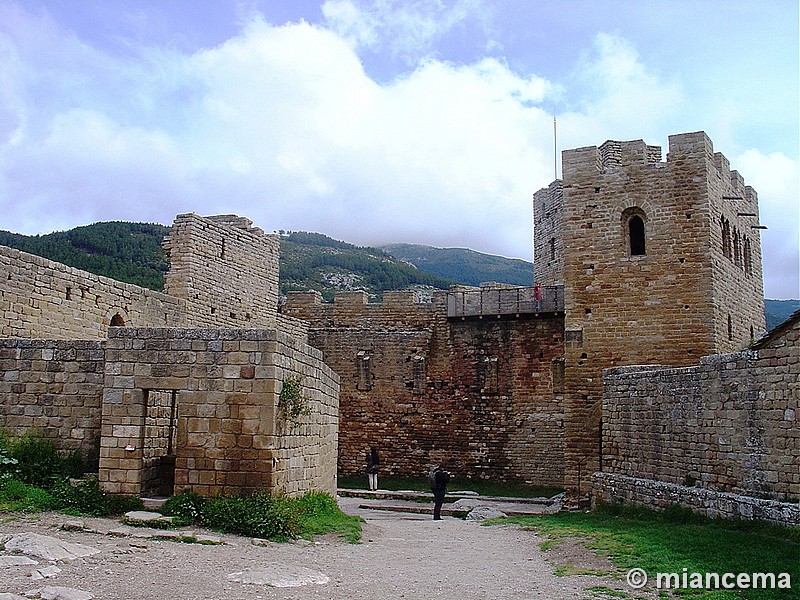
pixel 132 252
pixel 463 265
pixel 129 252
pixel 777 311
pixel 315 261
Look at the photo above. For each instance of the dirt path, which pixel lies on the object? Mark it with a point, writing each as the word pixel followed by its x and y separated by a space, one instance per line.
pixel 402 556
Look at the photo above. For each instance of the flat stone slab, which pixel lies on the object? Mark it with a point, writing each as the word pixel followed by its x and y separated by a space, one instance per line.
pixel 280 576
pixel 16 561
pixel 482 513
pixel 7 596
pixel 44 572
pixel 146 517
pixel 59 593
pixel 47 548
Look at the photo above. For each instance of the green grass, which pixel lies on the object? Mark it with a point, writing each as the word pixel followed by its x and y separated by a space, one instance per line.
pixel 669 542
pixel 276 518
pixel 457 484
pixel 319 514
pixel 16 496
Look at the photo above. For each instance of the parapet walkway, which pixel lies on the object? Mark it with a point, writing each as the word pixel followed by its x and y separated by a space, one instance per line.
pixel 457 503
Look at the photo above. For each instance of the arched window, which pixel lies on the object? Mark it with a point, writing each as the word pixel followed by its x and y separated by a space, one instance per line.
pixel 633 223
pixel 636 232
pixel 117 321
pixel 748 256
pixel 726 238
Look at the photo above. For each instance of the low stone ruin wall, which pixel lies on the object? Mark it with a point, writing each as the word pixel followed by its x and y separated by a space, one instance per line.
pixel 612 487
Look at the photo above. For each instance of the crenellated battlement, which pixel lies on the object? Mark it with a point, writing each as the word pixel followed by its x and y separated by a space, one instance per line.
pixel 615 154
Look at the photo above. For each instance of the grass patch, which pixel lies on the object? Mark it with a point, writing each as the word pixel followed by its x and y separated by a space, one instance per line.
pixel 263 516
pixel 16 496
pixel 674 540
pixel 480 486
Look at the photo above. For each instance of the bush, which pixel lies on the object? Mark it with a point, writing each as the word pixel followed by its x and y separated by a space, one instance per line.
pixel 8 465
pixel 40 464
pixel 256 516
pixel 86 498
pixel 278 520
pixel 185 509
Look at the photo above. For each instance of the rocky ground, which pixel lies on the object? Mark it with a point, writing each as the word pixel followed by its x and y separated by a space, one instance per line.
pixel 402 555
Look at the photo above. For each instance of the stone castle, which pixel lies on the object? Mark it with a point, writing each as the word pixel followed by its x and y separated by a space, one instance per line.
pixel 642 262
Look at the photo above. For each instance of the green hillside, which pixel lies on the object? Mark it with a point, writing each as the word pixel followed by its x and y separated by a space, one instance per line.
pixel 312 261
pixel 129 252
pixel 463 265
pixel 777 311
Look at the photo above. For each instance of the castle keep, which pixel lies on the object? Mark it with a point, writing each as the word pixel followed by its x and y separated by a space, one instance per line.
pixel 660 262
pixel 633 379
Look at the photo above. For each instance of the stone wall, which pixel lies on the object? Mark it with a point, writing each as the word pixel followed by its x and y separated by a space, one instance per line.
pixel 548 241
pixel 225 270
pixel 211 396
pixel 658 495
pixel 53 388
pixel 666 294
pixel 476 394
pixel 728 425
pixel 40 298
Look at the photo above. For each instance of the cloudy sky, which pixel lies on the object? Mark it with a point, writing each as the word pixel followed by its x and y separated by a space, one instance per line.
pixel 378 121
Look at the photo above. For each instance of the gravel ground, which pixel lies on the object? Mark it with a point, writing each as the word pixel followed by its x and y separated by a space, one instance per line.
pixel 402 555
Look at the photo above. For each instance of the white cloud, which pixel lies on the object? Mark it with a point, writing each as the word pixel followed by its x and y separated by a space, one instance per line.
pixel 775 178
pixel 408 30
pixel 619 97
pixel 283 125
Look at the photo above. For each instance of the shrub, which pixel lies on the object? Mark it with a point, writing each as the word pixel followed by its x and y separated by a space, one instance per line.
pixel 226 514
pixel 185 509
pixel 259 516
pixel 86 498
pixel 40 464
pixel 279 519
pixel 8 465
pixel 119 505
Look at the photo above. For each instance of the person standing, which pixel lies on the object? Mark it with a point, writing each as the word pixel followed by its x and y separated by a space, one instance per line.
pixel 373 460
pixel 537 296
pixel 438 479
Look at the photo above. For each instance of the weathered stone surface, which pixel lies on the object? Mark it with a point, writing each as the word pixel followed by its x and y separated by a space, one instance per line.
pixel 481 513
pixel 694 287
pixel 280 576
pixel 47 548
pixel 146 517
pixel 725 425
pixel 16 561
pixel 44 572
pixel 59 593
pixel 477 394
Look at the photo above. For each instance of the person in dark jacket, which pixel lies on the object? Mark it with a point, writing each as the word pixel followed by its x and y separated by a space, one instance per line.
pixel 373 460
pixel 438 480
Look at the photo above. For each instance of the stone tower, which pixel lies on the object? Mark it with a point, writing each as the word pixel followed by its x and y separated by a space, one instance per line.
pixel 660 262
